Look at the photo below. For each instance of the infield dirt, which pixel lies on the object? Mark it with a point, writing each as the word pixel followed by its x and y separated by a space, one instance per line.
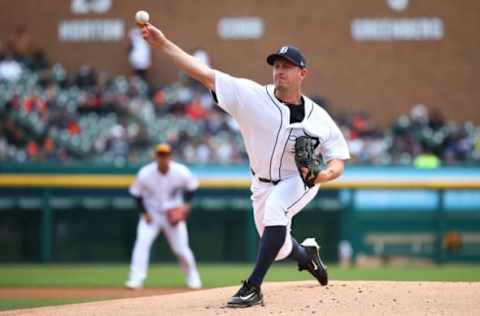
pixel 295 298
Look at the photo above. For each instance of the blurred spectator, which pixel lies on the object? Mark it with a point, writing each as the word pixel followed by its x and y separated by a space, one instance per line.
pixel 201 55
pixel 86 77
pixel 34 103
pixel 419 114
pixel 10 69
pixel 32 150
pixel 49 149
pixel 4 148
pixel 436 119
pixel 195 110
pixel 73 128
pixel 39 61
pixel 139 53
pixel 20 43
pixel 426 160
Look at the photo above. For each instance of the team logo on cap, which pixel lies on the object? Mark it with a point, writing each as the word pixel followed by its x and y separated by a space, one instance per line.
pixel 283 50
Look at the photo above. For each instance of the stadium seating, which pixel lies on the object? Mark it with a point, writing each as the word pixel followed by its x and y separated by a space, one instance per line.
pixel 54 116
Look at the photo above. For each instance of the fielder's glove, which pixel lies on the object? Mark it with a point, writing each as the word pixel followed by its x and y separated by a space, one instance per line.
pixel 307 163
pixel 176 215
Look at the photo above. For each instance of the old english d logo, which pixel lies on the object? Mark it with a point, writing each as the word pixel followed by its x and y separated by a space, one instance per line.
pixel 283 50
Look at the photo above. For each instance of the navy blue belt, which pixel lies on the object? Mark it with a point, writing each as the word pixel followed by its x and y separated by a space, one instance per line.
pixel 265 180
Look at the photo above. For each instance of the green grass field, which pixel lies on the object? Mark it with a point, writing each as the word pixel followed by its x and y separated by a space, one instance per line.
pixel 213 275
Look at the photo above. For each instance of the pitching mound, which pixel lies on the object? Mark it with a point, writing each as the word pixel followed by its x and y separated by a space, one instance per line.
pixel 296 298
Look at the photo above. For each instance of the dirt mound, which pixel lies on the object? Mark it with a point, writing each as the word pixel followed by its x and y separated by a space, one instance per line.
pixel 296 298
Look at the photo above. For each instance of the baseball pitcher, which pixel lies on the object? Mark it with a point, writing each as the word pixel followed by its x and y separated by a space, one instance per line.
pixel 163 190
pixel 286 136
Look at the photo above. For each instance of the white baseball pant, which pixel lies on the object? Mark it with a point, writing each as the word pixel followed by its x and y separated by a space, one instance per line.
pixel 275 205
pixel 177 238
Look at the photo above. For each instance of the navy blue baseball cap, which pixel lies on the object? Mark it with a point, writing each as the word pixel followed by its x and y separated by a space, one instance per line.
pixel 290 53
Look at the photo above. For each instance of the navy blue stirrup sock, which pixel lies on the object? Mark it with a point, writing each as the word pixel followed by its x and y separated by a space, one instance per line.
pixel 272 240
pixel 298 253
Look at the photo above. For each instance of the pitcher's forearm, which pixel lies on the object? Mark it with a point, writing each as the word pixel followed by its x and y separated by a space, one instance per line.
pixel 333 170
pixel 186 62
pixel 189 64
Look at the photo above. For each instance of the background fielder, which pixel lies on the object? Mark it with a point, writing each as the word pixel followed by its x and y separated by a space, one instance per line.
pixel 163 190
pixel 271 118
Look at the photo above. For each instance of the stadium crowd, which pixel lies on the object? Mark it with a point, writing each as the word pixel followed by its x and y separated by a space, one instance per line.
pixel 50 115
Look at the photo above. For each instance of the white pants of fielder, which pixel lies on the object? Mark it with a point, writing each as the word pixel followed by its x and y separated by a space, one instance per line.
pixel 275 205
pixel 177 238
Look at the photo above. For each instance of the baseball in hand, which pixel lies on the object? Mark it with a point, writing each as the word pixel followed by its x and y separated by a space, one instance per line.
pixel 142 17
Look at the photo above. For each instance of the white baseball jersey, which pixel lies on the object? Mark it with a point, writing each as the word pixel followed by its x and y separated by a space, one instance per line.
pixel 161 192
pixel 270 141
pixel 265 126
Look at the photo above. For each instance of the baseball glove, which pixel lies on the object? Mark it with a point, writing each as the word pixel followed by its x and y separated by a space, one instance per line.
pixel 176 215
pixel 307 163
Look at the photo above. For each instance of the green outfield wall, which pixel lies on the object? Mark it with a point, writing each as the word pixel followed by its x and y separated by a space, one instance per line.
pixel 91 225
pixel 80 216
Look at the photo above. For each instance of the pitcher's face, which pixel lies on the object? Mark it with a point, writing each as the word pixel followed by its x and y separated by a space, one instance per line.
pixel 286 75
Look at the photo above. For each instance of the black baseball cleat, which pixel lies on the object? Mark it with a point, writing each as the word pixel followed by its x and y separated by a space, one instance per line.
pixel 315 265
pixel 248 295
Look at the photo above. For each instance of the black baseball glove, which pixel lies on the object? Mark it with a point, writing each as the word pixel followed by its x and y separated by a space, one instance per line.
pixel 307 163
